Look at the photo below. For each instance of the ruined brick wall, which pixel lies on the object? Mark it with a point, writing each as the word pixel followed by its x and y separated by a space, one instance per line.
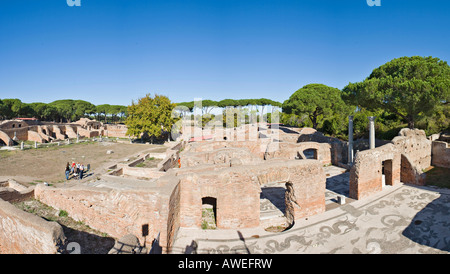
pixel 237 191
pixel 219 156
pixel 366 173
pixel 88 133
pixel 237 199
pixel 338 148
pixel 116 131
pixel 173 218
pixel 257 148
pixel 70 131
pixel 25 233
pixel 414 144
pixel 21 133
pixel 35 136
pixel 441 154
pixel 292 151
pixel 58 133
pixel 6 139
pixel 410 153
pixel 114 212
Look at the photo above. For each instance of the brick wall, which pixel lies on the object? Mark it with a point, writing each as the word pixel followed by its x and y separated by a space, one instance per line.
pixel 366 173
pixel 25 233
pixel 114 212
pixel 441 154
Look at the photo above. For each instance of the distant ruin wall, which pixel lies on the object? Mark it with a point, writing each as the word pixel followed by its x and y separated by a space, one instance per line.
pixel 25 233
pixel 116 131
pixel 34 136
pixel 257 147
pixel 338 148
pixel 87 133
pixel 441 154
pixel 294 151
pixel 219 156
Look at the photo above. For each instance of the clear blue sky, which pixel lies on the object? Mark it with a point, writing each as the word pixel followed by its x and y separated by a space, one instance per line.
pixel 114 51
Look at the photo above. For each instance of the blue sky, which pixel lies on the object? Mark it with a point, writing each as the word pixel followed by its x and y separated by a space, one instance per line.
pixel 112 52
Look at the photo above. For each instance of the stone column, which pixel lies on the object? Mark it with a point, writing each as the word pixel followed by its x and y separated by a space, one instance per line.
pixel 350 140
pixel 372 132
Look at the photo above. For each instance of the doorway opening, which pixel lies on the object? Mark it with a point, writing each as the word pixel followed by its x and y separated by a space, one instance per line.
pixel 386 170
pixel 310 153
pixel 209 213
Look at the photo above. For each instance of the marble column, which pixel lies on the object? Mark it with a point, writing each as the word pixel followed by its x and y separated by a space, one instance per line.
pixel 372 132
pixel 350 140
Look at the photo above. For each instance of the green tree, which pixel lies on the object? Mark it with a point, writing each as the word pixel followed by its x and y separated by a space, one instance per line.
pixel 150 116
pixel 12 108
pixel 316 101
pixel 408 87
pixel 65 109
pixel 102 109
pixel 82 109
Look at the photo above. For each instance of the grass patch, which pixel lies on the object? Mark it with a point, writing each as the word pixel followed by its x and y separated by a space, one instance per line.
pixel 149 163
pixel 208 219
pixel 438 176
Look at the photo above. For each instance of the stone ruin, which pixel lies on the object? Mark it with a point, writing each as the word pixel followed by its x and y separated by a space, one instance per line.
pixel 28 129
pixel 231 176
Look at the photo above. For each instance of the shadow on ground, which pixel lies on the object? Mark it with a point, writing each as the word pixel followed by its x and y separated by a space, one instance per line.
pixel 431 225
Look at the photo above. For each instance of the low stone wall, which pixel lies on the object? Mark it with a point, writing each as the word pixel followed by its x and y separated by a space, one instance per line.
pixel 441 154
pixel 25 233
pixel 11 195
pixel 139 172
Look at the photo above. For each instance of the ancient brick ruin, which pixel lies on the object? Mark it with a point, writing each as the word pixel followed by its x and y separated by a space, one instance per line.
pixel 29 129
pixel 229 175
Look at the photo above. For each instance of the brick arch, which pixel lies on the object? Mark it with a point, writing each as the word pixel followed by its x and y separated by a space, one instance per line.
pixel 6 139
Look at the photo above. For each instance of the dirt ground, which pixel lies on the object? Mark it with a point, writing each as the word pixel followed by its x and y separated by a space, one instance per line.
pixel 48 164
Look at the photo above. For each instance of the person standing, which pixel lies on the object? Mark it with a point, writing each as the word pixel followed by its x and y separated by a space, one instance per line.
pixel 67 171
pixel 81 171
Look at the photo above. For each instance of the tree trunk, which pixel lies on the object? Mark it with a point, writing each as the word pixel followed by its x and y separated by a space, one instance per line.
pixel 411 123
